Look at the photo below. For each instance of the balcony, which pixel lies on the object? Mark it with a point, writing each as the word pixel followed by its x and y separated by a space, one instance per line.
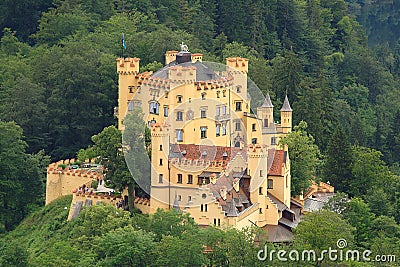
pixel 221 118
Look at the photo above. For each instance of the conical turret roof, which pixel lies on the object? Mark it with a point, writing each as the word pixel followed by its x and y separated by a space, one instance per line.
pixel 267 102
pixel 286 105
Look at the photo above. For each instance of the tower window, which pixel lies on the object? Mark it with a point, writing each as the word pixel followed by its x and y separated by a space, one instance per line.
pixel 190 179
pixel 179 116
pixel 203 112
pixel 270 184
pixel 253 127
pixel 237 125
pixel 238 106
pixel 254 141
pixel 160 147
pixel 203 132
pixel 223 129
pixel 217 129
pixel 179 135
pixel 179 178
pixel 130 105
pixel 165 111
pixel 154 107
pixel 261 173
pixel 273 140
pixel 179 99
pixel 238 88
pixel 160 178
pixel 218 94
pixel 161 162
pixel 223 110
pixel 218 111
pixel 260 190
pixel 265 122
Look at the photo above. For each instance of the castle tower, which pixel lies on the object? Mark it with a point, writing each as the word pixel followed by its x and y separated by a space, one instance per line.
pixel 266 112
pixel 159 168
pixel 127 69
pixel 258 170
pixel 170 56
pixel 239 67
pixel 286 116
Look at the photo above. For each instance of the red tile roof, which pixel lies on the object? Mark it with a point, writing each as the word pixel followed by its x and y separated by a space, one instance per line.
pixel 276 159
pixel 207 153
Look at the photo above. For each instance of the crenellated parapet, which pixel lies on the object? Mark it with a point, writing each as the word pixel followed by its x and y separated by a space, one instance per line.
pixel 257 151
pixel 63 177
pixel 238 63
pixel 159 130
pixel 128 66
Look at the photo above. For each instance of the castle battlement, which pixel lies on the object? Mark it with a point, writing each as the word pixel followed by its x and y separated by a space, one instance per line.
pixel 238 63
pixel 128 66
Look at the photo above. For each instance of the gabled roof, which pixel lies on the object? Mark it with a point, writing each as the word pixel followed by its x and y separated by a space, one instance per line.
pixel 286 105
pixel 267 102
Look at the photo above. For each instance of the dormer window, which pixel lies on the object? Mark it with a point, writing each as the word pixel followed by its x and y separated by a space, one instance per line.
pixel 225 156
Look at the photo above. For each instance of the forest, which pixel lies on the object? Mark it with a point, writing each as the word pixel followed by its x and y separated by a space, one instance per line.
pixel 338 61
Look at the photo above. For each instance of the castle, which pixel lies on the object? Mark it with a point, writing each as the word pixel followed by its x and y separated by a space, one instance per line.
pixel 211 155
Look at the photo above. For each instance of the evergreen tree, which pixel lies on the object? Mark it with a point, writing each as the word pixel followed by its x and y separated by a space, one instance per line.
pixel 337 168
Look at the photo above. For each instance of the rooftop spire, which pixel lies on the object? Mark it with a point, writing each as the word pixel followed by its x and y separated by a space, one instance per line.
pixel 286 105
pixel 267 102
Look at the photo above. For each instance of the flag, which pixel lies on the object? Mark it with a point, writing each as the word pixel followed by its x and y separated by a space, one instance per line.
pixel 123 42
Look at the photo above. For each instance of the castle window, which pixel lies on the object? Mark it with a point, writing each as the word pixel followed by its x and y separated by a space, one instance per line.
pixel 254 141
pixel 130 89
pixel 201 208
pixel 237 125
pixel 179 116
pixel 161 162
pixel 219 222
pixel 215 221
pixel 179 98
pixel 179 178
pixel 160 178
pixel 189 198
pixel 238 88
pixel 238 106
pixel 217 129
pixel 205 207
pixel 260 190
pixel 223 129
pixel 273 140
pixel 265 122
pixel 131 105
pixel 261 173
pixel 253 127
pixel 179 198
pixel 270 184
pixel 224 93
pixel 203 132
pixel 160 147
pixel 218 94
pixel 190 179
pixel 203 96
pixel 165 111
pixel 260 210
pixel 179 135
pixel 218 111
pixel 203 112
pixel 224 110
pixel 154 107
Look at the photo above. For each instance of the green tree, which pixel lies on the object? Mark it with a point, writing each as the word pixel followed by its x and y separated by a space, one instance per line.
pixel 304 157
pixel 337 167
pixel 359 215
pixel 126 247
pixel 322 229
pixel 20 182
